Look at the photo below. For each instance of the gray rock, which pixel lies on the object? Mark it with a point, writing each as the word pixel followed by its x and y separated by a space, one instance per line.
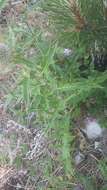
pixel 78 187
pixel 93 129
pixel 67 52
pixel 79 158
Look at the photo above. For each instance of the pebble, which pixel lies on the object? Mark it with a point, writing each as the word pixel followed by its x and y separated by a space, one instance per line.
pixel 93 129
pixel 79 158
pixel 78 187
pixel 67 52
pixel 97 145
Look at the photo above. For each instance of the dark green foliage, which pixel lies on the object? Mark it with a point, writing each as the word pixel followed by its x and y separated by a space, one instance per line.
pixel 79 22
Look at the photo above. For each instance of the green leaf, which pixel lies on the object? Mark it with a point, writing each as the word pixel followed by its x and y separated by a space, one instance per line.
pixel 3 3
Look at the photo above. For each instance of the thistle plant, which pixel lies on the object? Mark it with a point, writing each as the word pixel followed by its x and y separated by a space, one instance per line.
pixel 54 91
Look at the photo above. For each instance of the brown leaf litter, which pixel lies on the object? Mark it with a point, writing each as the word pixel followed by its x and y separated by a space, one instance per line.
pixel 10 179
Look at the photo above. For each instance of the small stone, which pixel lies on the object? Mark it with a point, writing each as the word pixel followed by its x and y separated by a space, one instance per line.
pixel 67 52
pixel 79 158
pixel 93 129
pixel 78 187
pixel 96 144
pixel 98 147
